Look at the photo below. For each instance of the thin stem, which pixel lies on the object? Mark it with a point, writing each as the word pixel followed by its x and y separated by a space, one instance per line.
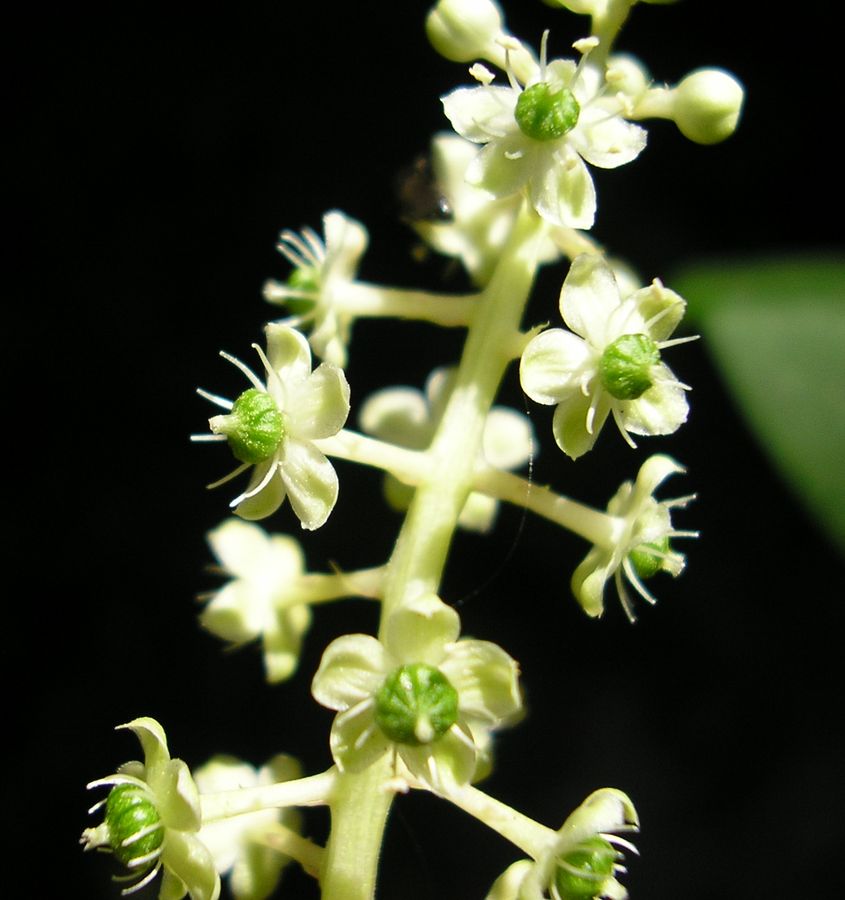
pixel 592 524
pixel 519 829
pixel 284 840
pixel 365 300
pixel 317 587
pixel 409 466
pixel 316 790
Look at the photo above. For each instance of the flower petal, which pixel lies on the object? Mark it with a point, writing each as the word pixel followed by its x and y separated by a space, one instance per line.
pixel 356 741
pixel 352 669
pixel 186 857
pixel 268 499
pixel 662 409
pixel 589 579
pixel 479 513
pixel 399 415
pixel 607 141
pixel 420 629
pixel 283 641
pixel 154 744
pixel 236 613
pixel 561 190
pixel 508 440
pixel 238 545
pixel 320 406
pixel 288 353
pixel 588 299
pixel 346 241
pixel 451 758
pixel 486 679
pixel 569 424
pixel 311 482
pixel 177 798
pixel 504 166
pixel 553 365
pixel 481 113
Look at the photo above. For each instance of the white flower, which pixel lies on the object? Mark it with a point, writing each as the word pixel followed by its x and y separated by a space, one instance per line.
pixel 538 137
pixel 264 599
pixel 236 843
pixel 584 858
pixel 641 545
pixel 152 819
pixel 323 270
pixel 409 418
pixel 424 694
pixel 273 426
pixel 608 362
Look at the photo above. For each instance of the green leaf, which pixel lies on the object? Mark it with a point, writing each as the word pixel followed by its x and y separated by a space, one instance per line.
pixel 776 330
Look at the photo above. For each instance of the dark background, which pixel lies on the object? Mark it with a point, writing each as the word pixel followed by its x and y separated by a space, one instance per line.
pixel 157 151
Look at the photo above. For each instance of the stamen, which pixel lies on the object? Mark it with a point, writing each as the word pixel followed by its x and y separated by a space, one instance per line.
pixel 246 495
pixel 143 881
pixel 638 586
pixel 216 399
pixel 233 474
pixel 617 417
pixel 253 378
pixel 621 842
pixel 208 438
pixel 272 374
pixel 676 341
pixel 318 248
pixel 624 597
pixel 544 40
pixel 295 242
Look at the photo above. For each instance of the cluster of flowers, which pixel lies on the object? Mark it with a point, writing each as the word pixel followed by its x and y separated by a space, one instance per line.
pixel 423 696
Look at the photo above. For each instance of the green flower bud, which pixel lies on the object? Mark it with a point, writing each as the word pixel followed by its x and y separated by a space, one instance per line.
pixel 626 366
pixel 543 114
pixel 134 825
pixel 254 427
pixel 582 873
pixel 463 30
pixel 707 104
pixel 645 563
pixel 416 705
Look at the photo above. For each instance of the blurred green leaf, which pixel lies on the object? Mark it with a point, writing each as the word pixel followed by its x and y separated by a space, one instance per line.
pixel 776 330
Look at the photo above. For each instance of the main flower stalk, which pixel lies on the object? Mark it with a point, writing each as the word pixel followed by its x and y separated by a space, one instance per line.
pixel 418 559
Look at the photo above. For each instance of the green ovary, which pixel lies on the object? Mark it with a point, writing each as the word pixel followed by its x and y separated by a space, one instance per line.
pixel 254 427
pixel 647 563
pixel 626 366
pixel 593 861
pixel 128 813
pixel 544 114
pixel 416 705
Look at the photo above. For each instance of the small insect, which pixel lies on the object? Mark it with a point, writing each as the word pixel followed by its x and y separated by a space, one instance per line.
pixel 418 195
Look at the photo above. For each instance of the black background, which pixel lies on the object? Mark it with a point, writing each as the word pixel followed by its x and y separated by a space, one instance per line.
pixel 157 151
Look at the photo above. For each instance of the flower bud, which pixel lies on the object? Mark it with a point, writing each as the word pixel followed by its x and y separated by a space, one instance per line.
pixel 416 704
pixel 462 30
pixel 707 104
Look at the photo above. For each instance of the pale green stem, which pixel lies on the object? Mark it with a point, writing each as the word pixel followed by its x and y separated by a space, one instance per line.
pixel 320 588
pixel 315 790
pixel 522 831
pixel 592 524
pixel 364 300
pixel 656 103
pixel 284 840
pixel 409 466
pixel 606 27
pixel 361 802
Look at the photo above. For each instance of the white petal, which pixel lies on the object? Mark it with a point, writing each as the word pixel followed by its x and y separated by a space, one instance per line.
pixel 320 406
pixel 311 482
pixel 508 440
pixel 238 545
pixel 420 629
pixel 562 191
pixel 607 142
pixel 588 298
pixel 504 166
pixel 482 112
pixel 352 669
pixel 570 423
pixel 288 353
pixel 268 499
pixel 553 366
pixel 399 415
pixel 662 409
pixel 346 241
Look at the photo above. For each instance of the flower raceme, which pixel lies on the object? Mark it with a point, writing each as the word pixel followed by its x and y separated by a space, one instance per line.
pixel 152 821
pixel 271 428
pixel 609 360
pixel 538 136
pixel 429 697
